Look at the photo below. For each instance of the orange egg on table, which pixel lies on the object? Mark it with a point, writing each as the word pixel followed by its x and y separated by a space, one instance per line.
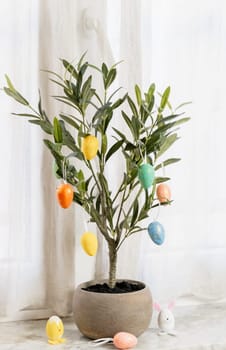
pixel 65 195
pixel 163 193
pixel 124 340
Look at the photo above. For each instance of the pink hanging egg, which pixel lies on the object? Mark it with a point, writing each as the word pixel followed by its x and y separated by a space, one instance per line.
pixel 163 193
pixel 124 340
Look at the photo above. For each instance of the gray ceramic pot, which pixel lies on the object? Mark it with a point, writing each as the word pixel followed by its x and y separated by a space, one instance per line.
pixel 100 315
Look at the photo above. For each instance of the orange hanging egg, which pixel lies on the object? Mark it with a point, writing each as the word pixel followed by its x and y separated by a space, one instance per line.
pixel 65 195
pixel 163 193
pixel 89 147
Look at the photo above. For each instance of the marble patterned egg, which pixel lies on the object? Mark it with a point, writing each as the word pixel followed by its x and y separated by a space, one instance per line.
pixel 157 232
pixel 89 243
pixel 163 193
pixel 146 175
pixel 124 340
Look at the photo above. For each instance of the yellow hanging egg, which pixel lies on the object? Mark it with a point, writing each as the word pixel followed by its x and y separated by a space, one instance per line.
pixel 89 243
pixel 89 147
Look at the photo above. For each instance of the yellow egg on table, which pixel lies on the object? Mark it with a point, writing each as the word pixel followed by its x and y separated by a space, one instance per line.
pixel 89 243
pixel 55 330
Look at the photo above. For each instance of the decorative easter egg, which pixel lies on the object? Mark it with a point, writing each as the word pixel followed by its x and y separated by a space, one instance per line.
pixel 163 193
pixel 156 232
pixel 89 147
pixel 55 330
pixel 146 175
pixel 124 340
pixel 89 243
pixel 65 195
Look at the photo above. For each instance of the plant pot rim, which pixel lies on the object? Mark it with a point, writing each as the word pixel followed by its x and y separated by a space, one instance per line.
pixel 101 281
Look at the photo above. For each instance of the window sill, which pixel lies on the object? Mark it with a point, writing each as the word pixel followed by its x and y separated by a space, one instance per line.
pixel 198 328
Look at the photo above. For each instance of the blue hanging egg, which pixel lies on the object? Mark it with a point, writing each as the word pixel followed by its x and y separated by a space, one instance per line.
pixel 157 232
pixel 146 175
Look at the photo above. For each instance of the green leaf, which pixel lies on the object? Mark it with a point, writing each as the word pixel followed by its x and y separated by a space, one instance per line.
pixel 183 104
pixel 86 86
pixel 135 212
pixel 54 149
pixel 94 67
pixel 81 60
pixel 104 70
pixel 150 93
pixel 181 121
pixel 130 146
pixel 45 125
pixel 114 92
pixel 70 121
pixel 69 141
pixel 133 107
pixel 165 97
pixel 78 199
pixel 160 179
pixel 138 95
pixel 118 102
pixel 57 131
pixel 169 118
pixel 9 83
pixel 98 202
pixel 26 115
pixel 120 134
pixel 136 127
pixel 113 149
pixel 110 78
pixel 128 121
pixel 167 162
pixel 167 144
pixel 58 83
pixel 104 144
pixel 16 96
pixel 80 175
pixel 70 68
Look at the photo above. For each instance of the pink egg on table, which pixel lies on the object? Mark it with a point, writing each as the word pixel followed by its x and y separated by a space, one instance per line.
pixel 163 193
pixel 124 340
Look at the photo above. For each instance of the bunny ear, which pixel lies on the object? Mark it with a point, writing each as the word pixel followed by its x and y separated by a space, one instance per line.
pixel 157 307
pixel 171 305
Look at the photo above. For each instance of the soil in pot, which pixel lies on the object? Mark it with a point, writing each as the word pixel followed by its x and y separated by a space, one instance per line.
pixel 120 287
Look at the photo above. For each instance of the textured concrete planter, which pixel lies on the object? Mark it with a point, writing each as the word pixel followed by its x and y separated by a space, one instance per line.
pixel 100 315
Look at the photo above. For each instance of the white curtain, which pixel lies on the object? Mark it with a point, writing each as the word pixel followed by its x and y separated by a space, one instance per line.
pixel 177 43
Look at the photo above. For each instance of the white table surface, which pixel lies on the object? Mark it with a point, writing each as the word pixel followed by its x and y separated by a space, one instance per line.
pixel 198 328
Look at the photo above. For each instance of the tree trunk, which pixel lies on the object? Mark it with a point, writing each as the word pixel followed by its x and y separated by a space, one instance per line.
pixel 112 265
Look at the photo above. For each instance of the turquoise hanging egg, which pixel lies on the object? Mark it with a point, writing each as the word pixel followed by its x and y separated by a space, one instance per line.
pixel 146 175
pixel 156 232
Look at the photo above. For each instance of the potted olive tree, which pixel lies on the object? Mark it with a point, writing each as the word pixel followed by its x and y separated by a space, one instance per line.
pixel 118 215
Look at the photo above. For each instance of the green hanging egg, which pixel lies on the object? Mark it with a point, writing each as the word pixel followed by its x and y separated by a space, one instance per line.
pixel 146 175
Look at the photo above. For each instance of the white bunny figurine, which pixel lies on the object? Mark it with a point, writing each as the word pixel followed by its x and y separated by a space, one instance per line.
pixel 166 321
